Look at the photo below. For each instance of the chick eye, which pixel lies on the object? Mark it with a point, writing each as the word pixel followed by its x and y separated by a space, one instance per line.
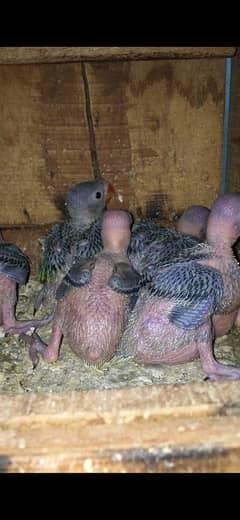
pixel 98 195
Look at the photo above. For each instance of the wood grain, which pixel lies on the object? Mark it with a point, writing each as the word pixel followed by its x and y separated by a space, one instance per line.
pixel 186 445
pixel 66 54
pixel 186 428
pixel 233 170
pixel 159 131
pixel 44 140
pixel 122 405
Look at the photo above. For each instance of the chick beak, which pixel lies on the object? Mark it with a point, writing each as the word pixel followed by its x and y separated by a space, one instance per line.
pixel 110 192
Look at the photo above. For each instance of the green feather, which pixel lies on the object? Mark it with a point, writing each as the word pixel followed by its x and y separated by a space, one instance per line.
pixel 45 275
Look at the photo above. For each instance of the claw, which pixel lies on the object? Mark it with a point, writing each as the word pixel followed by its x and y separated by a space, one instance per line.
pixel 36 346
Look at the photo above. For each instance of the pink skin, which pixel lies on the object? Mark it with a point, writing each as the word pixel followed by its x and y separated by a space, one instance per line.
pixel 189 345
pixel 7 309
pixel 193 221
pixel 150 336
pixel 223 323
pixel 92 317
pixel 154 340
pixel 222 232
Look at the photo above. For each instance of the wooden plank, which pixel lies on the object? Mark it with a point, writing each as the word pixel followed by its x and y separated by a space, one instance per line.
pixel 44 140
pixel 121 406
pixel 233 170
pixel 154 429
pixel 159 130
pixel 9 55
pixel 172 445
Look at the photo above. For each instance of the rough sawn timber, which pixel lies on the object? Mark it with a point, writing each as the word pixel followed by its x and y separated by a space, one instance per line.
pixel 173 428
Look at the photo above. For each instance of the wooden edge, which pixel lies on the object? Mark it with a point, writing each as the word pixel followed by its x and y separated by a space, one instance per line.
pixel 21 55
pixel 153 460
pixel 171 428
pixel 170 444
pixel 124 405
pixel 233 158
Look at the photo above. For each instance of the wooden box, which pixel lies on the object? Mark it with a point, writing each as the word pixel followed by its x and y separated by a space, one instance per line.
pixel 162 123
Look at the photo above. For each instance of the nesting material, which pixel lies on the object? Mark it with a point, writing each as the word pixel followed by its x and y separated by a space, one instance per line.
pixel 70 373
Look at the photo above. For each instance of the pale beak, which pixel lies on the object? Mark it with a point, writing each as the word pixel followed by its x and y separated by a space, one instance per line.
pixel 112 192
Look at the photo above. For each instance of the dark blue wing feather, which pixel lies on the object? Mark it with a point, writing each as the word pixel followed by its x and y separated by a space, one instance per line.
pixel 196 289
pixel 152 246
pixel 145 233
pixel 13 263
pixel 187 282
pixel 193 316
pixel 174 251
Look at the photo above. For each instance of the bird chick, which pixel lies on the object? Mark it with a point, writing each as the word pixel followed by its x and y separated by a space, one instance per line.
pixel 93 299
pixel 193 222
pixel 78 237
pixel 14 271
pixel 192 299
